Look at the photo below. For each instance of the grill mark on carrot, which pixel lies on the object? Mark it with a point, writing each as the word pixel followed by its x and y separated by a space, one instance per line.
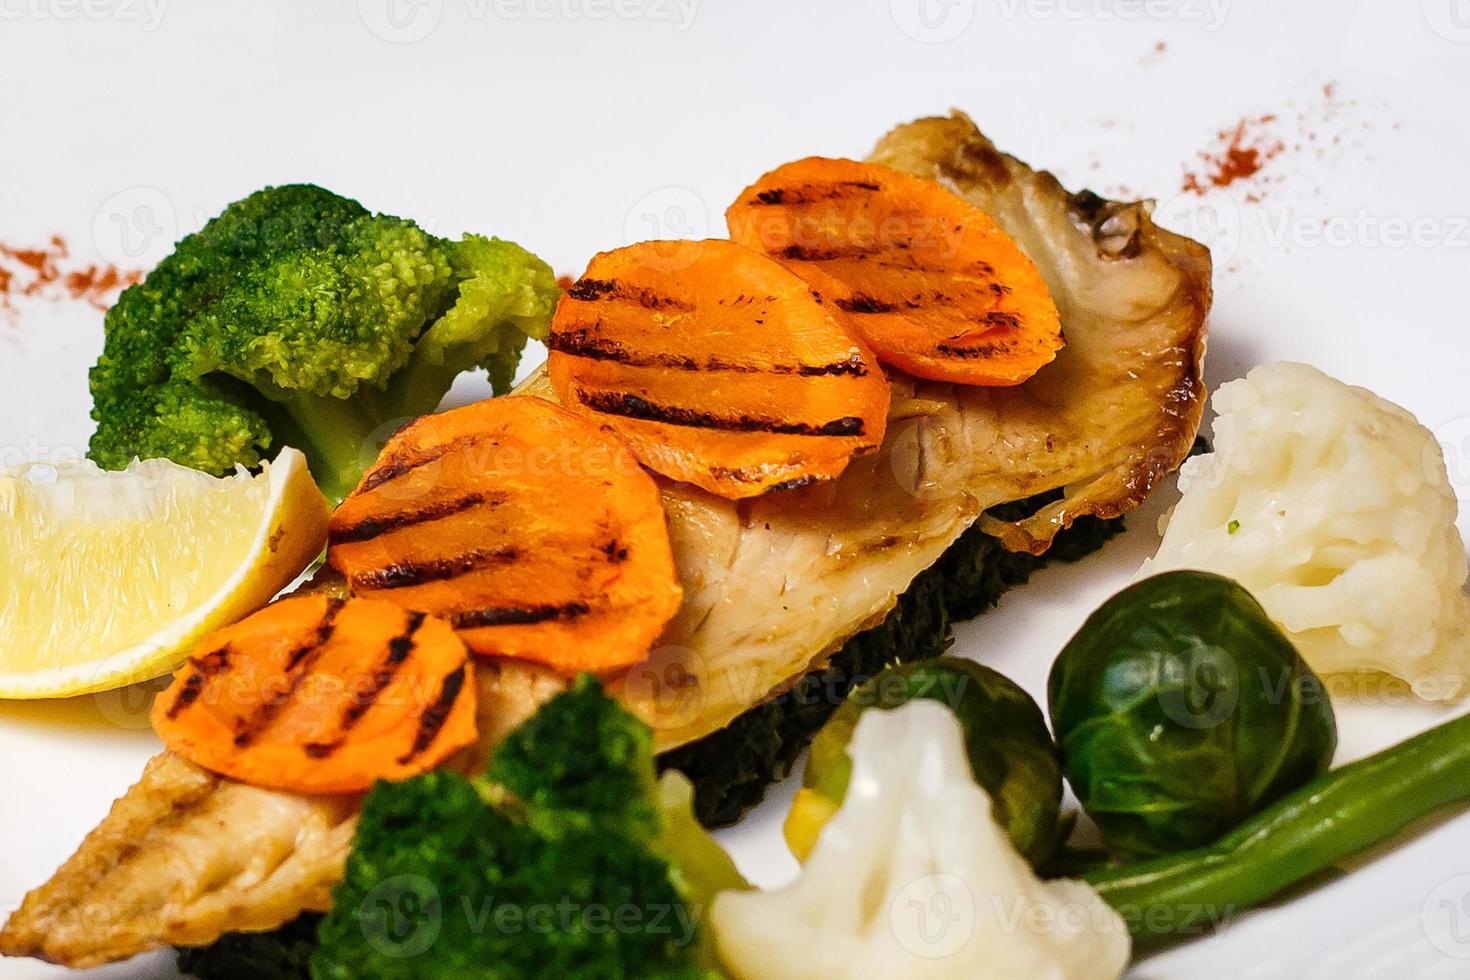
pixel 433 718
pixel 811 193
pixel 915 267
pixel 188 694
pixel 202 669
pixel 407 574
pixel 362 674
pixel 974 350
pixel 324 631
pixel 399 649
pixel 853 367
pixel 601 538
pixel 298 666
pixel 590 290
pixel 863 303
pixel 465 619
pixel 580 341
pixel 760 324
pixel 605 290
pixel 214 662
pixel 632 406
pixel 811 253
pixel 395 468
pixel 371 527
pixel 911 262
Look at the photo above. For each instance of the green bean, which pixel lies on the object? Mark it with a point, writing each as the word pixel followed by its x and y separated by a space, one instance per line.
pixel 1336 815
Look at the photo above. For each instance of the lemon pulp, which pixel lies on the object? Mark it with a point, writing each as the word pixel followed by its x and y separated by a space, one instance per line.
pixel 110 577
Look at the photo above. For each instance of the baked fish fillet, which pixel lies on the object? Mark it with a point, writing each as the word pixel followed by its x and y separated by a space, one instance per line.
pixel 773 586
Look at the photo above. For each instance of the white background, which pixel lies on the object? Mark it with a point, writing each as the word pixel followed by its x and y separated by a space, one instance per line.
pixel 577 125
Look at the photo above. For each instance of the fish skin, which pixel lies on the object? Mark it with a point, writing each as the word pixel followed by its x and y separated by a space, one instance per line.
pixel 185 855
pixel 146 875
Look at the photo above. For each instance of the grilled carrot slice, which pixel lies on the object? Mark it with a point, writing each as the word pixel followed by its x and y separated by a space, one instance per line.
pixel 718 366
pixel 322 695
pixel 531 529
pixel 931 283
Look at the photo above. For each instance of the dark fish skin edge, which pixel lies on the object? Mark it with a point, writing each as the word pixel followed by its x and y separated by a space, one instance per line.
pixel 281 954
pixel 732 768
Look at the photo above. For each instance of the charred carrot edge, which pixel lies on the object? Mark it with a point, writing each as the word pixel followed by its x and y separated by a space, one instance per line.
pixel 533 531
pixel 322 695
pixel 718 365
pixel 930 282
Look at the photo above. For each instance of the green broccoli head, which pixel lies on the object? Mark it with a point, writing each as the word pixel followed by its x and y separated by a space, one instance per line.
pixel 499 282
pixel 197 424
pixel 324 317
pixel 582 763
pixel 566 860
pixel 301 317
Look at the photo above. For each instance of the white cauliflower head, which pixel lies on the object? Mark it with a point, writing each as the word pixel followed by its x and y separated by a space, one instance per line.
pixel 1333 507
pixel 913 878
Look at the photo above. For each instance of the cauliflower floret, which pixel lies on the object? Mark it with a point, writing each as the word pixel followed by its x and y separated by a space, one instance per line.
pixel 913 878
pixel 1333 507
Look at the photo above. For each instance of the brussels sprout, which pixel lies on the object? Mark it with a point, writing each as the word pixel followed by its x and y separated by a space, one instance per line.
pixel 1011 751
pixel 1181 710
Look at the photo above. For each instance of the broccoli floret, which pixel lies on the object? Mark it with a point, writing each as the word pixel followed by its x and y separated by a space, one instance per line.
pixel 298 317
pixel 581 763
pixel 197 424
pixel 568 859
pixel 731 768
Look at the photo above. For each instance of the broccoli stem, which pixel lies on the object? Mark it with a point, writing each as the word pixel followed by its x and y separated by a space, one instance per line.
pixel 421 384
pixel 418 387
pixel 1332 817
pixel 340 436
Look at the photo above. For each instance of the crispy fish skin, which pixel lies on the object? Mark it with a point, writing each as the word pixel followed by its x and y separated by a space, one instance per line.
pixel 772 585
pixel 153 872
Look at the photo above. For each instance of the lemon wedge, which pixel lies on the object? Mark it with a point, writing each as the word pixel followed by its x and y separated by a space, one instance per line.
pixel 107 578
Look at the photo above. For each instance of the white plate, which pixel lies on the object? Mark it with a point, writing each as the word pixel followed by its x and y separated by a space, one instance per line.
pixel 577 125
